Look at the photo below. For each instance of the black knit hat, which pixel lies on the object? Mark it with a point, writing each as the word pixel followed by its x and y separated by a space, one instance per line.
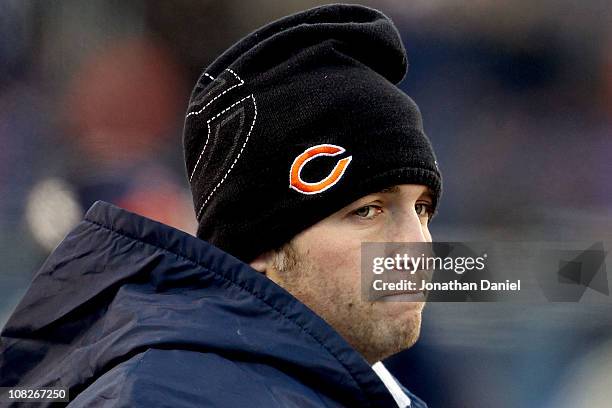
pixel 297 120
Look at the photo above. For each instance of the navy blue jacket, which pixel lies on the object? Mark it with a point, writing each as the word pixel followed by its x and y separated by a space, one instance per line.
pixel 128 312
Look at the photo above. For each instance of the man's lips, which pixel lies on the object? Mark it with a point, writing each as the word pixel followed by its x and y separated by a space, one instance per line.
pixel 412 296
pixel 403 292
pixel 403 296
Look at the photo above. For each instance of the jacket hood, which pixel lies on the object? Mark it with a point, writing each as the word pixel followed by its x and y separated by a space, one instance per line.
pixel 120 284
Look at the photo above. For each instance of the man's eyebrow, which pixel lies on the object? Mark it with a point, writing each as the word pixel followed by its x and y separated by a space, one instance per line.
pixel 428 193
pixel 392 189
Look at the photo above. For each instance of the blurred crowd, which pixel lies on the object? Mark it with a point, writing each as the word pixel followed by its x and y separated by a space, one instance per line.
pixel 516 98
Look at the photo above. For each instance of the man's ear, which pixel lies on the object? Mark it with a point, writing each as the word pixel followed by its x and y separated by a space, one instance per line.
pixel 263 262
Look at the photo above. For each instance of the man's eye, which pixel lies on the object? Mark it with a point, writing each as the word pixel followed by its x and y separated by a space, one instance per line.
pixel 424 210
pixel 368 211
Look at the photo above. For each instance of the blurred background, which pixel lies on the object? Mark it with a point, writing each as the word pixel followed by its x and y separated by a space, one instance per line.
pixel 516 98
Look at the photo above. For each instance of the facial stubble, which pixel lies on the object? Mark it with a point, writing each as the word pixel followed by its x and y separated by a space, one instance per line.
pixel 366 326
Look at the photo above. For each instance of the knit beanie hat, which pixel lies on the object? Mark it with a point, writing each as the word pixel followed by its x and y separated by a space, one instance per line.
pixel 297 120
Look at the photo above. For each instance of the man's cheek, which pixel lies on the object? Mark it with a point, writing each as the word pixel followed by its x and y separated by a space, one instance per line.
pixel 339 263
pixel 332 255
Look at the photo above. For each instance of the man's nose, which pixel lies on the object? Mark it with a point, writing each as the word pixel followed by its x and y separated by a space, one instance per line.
pixel 408 229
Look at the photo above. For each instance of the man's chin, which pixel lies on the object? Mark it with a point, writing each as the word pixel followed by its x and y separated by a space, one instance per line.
pixel 399 328
pixel 403 341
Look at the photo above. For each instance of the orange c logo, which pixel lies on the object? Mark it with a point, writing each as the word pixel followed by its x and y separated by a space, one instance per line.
pixel 295 179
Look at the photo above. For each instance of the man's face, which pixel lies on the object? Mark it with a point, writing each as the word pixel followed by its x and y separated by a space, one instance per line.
pixel 321 267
